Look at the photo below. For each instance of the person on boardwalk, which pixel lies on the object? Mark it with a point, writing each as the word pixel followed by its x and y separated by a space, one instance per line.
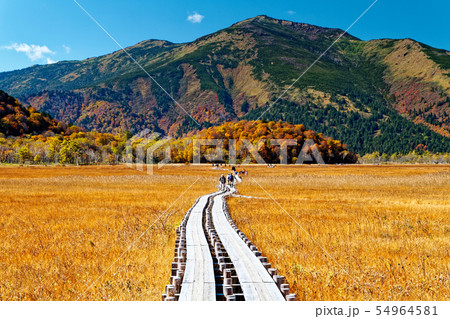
pixel 222 182
pixel 230 180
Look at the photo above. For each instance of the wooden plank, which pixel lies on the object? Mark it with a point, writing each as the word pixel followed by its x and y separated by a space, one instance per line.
pixel 199 282
pixel 208 276
pixel 186 292
pixel 256 283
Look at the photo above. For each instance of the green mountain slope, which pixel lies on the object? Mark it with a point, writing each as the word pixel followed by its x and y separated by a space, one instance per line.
pixel 381 95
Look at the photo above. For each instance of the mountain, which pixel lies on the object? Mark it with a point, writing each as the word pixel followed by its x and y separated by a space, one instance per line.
pixel 17 120
pixel 382 95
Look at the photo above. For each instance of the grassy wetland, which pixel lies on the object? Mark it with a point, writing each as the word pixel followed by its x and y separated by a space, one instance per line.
pixel 62 227
pixel 64 230
pixel 385 229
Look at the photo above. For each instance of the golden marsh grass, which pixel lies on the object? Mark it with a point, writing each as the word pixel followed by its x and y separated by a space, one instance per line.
pixel 62 227
pixel 387 226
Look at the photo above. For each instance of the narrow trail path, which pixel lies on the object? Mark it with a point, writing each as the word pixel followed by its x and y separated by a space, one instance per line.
pixel 199 280
pixel 215 261
pixel 255 280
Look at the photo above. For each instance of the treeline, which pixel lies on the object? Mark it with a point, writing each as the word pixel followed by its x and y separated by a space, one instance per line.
pixel 87 148
pixel 84 148
pixel 265 133
pixel 80 148
pixel 413 157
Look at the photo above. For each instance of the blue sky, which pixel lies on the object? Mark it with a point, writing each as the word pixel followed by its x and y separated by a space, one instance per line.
pixel 44 31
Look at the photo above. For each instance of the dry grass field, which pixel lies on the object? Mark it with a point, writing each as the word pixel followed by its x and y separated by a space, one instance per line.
pixel 387 226
pixel 62 227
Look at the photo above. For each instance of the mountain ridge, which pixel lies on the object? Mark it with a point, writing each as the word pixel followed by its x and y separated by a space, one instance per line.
pixel 237 72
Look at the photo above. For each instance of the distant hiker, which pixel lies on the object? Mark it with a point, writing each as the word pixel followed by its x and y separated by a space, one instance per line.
pixel 242 172
pixel 230 180
pixel 222 181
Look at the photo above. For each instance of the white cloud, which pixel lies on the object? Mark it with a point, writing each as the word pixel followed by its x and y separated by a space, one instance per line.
pixel 195 17
pixel 50 61
pixel 33 52
pixel 66 48
pixel 291 12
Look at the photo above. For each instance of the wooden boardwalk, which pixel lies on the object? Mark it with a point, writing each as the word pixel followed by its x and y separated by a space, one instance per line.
pixel 198 282
pixel 216 261
pixel 256 283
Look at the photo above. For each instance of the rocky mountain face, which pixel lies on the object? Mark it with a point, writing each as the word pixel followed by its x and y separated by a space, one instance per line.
pixel 380 95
